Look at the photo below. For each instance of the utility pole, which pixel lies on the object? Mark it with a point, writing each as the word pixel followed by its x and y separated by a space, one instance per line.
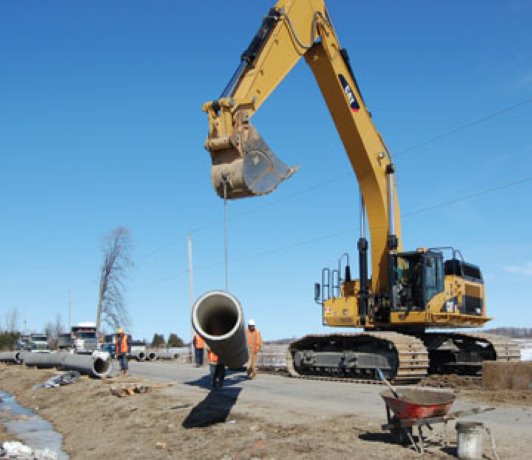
pixel 69 310
pixel 190 274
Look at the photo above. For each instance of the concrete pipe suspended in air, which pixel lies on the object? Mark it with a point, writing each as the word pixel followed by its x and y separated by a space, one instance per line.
pixel 218 318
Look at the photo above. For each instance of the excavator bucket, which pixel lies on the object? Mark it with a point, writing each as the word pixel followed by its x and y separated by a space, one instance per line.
pixel 247 167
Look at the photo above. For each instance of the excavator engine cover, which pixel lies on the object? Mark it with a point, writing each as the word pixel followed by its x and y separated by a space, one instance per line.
pixel 247 166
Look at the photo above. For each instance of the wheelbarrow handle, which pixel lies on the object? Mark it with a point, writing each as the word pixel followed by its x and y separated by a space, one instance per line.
pixel 388 384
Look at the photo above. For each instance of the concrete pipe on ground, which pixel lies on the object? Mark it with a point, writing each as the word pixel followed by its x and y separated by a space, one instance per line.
pixel 98 366
pixel 167 355
pixel 43 360
pixel 139 355
pixel 151 356
pixel 218 318
pixel 11 357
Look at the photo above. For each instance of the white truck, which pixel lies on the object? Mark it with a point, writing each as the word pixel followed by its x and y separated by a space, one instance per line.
pixel 84 339
pixel 34 342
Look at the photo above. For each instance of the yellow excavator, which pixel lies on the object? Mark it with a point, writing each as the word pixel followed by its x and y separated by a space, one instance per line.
pixel 408 291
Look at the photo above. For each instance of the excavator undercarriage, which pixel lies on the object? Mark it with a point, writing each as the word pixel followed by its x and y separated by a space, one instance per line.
pixel 402 358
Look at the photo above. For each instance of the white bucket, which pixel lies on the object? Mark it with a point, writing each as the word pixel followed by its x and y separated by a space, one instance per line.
pixel 469 440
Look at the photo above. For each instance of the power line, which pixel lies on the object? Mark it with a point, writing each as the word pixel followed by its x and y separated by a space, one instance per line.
pixel 352 230
pixel 463 127
pixel 470 196
pixel 236 216
pixel 443 204
pixel 326 182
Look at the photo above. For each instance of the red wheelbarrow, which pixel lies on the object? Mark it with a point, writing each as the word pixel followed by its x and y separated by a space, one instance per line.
pixel 411 408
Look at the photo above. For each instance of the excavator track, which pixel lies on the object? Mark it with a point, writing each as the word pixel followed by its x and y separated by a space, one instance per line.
pixel 407 357
pixel 505 348
pixel 469 350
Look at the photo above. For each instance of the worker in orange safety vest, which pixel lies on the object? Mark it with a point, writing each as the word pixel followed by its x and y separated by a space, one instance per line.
pixel 122 349
pixel 199 347
pixel 217 369
pixel 254 341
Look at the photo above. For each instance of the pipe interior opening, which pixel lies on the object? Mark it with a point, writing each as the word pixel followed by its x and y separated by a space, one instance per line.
pixel 101 366
pixel 217 315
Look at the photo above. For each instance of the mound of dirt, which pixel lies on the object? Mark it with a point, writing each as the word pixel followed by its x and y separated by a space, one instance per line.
pixel 472 388
pixel 452 381
pixel 521 398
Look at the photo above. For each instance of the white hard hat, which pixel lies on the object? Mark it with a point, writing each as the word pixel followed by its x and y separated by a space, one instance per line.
pixel 251 322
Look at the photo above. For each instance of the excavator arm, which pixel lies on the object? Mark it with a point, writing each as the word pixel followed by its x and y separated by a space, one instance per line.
pixel 242 163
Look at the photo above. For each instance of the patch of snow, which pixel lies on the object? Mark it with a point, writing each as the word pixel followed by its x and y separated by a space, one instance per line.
pixel 526 354
pixel 18 450
pixel 525 346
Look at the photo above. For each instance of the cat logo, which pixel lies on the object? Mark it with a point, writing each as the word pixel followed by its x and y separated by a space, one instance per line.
pixel 353 103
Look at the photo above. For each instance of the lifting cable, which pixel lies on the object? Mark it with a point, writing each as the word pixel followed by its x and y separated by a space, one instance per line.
pixel 225 182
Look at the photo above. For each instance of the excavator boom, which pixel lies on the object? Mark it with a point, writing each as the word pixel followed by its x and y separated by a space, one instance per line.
pixel 242 163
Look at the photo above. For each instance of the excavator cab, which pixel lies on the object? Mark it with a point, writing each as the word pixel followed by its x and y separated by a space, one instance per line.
pixel 419 277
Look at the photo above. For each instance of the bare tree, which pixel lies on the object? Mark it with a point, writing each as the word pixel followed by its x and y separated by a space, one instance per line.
pixel 111 305
pixel 53 331
pixel 12 320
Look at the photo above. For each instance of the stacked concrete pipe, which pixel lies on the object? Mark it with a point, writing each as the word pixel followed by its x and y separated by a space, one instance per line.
pixel 138 355
pixel 43 360
pixel 96 365
pixel 15 357
pixel 167 355
pixel 218 318
pixel 151 356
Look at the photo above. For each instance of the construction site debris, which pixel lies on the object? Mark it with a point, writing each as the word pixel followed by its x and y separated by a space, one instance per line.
pixel 62 379
pixel 129 389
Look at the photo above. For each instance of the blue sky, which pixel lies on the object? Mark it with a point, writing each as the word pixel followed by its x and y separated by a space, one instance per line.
pixel 101 126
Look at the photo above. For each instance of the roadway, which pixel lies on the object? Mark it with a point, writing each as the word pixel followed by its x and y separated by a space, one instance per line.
pixel 303 398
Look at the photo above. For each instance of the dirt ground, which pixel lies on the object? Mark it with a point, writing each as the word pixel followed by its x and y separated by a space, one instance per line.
pixel 169 423
pixel 472 389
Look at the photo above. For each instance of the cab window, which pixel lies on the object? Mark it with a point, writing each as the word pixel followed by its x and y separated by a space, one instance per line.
pixel 434 276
